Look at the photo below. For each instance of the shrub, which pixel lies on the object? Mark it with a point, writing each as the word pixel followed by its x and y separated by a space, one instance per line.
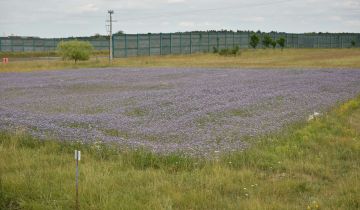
pixel 267 40
pixel 281 42
pixel 353 43
pixel 254 41
pixel 215 50
pixel 235 50
pixel 273 44
pixel 230 51
pixel 225 51
pixel 75 50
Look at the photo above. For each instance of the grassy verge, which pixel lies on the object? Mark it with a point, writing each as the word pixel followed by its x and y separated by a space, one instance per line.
pixel 43 54
pixel 27 54
pixel 269 58
pixel 315 165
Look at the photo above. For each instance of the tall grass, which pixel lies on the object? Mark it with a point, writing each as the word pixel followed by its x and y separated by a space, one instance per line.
pixel 313 165
pixel 36 54
pixel 260 58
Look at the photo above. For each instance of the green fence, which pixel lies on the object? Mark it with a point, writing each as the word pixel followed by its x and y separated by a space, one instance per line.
pixel 18 44
pixel 127 45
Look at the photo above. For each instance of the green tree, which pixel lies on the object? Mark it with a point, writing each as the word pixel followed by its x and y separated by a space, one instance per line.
pixel 273 44
pixel 267 40
pixel 353 43
pixel 281 42
pixel 75 50
pixel 254 40
pixel 119 33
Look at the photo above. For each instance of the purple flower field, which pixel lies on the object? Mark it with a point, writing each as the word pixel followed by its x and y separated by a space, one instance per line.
pixel 195 111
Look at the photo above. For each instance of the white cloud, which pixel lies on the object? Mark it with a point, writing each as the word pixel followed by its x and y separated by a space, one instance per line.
pixel 335 18
pixel 186 24
pixel 175 1
pixel 87 17
pixel 252 19
pixel 353 23
pixel 351 4
pixel 88 8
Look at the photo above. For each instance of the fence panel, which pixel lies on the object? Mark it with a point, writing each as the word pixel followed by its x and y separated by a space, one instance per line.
pixel 191 42
pixel 126 45
pixel 18 44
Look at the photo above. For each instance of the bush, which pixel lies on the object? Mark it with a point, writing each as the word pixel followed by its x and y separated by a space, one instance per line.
pixel 215 50
pixel 273 44
pixel 281 42
pixel 254 41
pixel 353 43
pixel 230 51
pixel 75 50
pixel 267 40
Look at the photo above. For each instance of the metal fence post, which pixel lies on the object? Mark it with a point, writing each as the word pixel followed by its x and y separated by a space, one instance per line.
pixel 190 43
pixel 170 43
pixel 149 36
pixel 293 40
pixel 160 43
pixel 341 41
pixel 217 40
pixel 113 45
pixel 233 39
pixel 43 44
pixel 208 35
pixel 77 159
pixel 287 41
pixel 137 44
pixel 180 43
pixel 0 44
pixel 225 40
pixel 11 45
pixel 125 45
pixel 297 35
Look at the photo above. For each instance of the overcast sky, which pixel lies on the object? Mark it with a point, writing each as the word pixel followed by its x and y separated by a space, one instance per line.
pixel 62 18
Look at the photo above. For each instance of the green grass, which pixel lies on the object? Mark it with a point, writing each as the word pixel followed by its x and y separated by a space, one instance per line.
pixel 43 54
pixel 313 165
pixel 240 112
pixel 269 58
pixel 116 133
pixel 137 112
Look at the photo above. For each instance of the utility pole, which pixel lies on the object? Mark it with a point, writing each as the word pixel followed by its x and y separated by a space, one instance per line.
pixel 111 42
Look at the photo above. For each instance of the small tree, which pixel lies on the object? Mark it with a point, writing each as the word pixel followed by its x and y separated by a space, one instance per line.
pixel 75 50
pixel 119 33
pixel 230 51
pixel 273 44
pixel 281 42
pixel 267 40
pixel 353 43
pixel 215 50
pixel 254 40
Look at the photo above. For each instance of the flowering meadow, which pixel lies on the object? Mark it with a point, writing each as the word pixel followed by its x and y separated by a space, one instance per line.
pixel 166 110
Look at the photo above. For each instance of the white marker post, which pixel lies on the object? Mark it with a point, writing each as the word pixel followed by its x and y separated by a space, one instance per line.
pixel 77 158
